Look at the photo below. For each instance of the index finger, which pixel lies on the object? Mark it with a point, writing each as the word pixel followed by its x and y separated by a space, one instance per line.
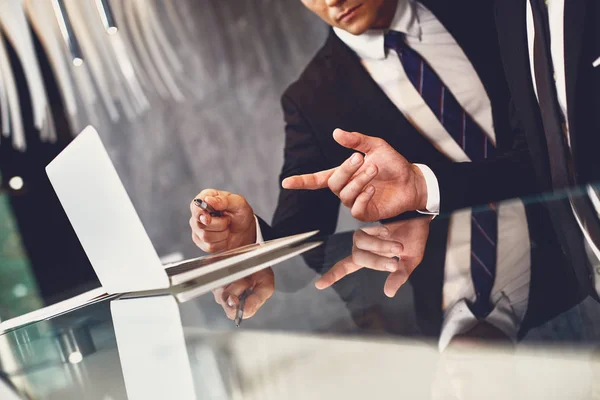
pixel 389 248
pixel 337 272
pixel 228 296
pixel 209 224
pixel 195 210
pixel 394 281
pixel 318 180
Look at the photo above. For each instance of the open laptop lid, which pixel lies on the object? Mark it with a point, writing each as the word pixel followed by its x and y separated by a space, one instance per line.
pixel 103 217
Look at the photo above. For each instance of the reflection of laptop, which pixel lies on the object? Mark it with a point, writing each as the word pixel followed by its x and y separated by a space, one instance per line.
pixel 155 362
pixel 111 232
pixel 225 276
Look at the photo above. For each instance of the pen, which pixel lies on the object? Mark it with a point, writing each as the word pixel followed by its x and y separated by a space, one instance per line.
pixel 207 207
pixel 239 312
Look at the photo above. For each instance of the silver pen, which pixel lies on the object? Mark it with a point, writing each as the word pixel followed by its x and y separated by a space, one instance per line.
pixel 239 312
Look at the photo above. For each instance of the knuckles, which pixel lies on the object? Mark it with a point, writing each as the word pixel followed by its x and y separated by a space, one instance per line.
pixel 357 213
pixel 204 246
pixel 210 248
pixel 346 200
pixel 202 235
pixel 331 184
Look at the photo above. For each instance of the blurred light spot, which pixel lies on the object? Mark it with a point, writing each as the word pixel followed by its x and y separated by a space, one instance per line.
pixel 16 183
pixel 20 290
pixel 171 258
pixel 112 30
pixel 75 357
pixel 77 61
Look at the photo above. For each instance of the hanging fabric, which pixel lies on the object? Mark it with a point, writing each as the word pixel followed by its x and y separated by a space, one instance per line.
pixel 4 111
pixel 46 30
pixel 109 58
pixel 15 27
pixel 12 96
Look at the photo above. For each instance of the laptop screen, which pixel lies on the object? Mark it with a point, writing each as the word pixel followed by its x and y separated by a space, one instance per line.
pixel 104 218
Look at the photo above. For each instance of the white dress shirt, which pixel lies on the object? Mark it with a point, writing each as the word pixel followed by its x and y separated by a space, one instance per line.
pixel 556 12
pixel 426 35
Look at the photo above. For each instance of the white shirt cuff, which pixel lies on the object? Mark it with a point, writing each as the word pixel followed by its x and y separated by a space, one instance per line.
pixel 433 191
pixel 259 236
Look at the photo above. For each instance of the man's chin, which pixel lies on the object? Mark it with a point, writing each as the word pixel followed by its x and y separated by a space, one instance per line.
pixel 356 28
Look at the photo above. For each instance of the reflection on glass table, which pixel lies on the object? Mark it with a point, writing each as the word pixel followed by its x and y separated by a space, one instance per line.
pixel 477 304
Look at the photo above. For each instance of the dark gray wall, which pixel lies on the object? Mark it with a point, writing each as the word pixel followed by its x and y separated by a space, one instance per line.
pixel 239 56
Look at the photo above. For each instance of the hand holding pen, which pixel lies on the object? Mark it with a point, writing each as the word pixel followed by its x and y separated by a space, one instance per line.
pixel 221 221
pixel 242 299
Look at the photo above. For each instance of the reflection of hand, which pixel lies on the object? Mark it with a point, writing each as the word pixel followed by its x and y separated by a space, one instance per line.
pixel 237 227
pixel 262 285
pixel 396 247
pixel 381 185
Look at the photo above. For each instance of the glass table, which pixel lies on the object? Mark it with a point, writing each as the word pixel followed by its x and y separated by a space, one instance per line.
pixel 539 339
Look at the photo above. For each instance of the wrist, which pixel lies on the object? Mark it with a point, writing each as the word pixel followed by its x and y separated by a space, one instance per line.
pixel 244 238
pixel 420 188
pixel 251 233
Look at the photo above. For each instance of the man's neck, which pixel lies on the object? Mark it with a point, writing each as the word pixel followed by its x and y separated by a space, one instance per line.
pixel 386 14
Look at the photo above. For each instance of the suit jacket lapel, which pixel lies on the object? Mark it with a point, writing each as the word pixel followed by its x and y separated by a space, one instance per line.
pixel 512 36
pixel 575 17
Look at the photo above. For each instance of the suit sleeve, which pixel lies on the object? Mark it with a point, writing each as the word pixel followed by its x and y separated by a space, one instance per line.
pixel 507 176
pixel 301 210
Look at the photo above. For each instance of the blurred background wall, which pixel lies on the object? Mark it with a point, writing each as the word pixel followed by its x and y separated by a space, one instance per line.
pixel 231 60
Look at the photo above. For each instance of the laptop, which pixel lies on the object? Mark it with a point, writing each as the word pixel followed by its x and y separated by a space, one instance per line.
pixel 111 232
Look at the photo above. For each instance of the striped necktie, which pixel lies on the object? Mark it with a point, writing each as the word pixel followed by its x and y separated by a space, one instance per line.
pixel 476 145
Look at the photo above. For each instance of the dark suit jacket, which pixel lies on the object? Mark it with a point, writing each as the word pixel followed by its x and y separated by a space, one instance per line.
pixel 335 91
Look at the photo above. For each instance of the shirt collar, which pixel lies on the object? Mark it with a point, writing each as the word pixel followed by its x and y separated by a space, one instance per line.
pixel 459 319
pixel 370 44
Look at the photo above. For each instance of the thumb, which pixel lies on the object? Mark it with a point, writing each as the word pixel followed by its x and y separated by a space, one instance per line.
pixel 356 141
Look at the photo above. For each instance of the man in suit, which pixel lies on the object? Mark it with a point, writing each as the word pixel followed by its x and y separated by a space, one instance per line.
pixel 550 55
pixel 411 74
